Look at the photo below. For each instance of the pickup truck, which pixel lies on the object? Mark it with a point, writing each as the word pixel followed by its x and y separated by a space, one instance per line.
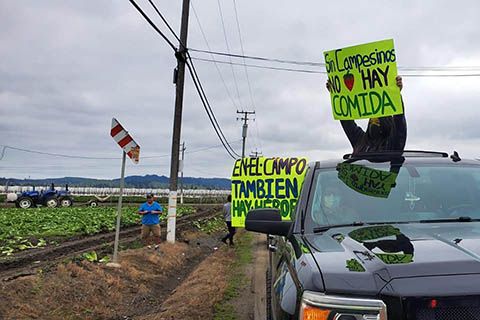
pixel 388 235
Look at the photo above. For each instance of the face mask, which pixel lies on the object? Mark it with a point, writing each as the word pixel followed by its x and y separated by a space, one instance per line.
pixel 331 201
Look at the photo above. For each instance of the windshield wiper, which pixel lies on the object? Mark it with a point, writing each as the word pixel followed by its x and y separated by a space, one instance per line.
pixel 459 219
pixel 326 228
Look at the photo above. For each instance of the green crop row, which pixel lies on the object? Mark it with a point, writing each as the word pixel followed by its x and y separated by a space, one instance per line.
pixel 22 229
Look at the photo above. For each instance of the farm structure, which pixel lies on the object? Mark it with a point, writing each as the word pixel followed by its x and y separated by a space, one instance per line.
pixel 87 191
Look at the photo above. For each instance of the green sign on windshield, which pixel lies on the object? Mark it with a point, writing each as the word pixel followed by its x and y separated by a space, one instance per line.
pixel 365 180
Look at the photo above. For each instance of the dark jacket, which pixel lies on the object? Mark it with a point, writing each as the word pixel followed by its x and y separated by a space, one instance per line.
pixel 361 142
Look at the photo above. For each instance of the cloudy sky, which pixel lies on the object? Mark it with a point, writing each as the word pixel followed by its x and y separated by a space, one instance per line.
pixel 67 67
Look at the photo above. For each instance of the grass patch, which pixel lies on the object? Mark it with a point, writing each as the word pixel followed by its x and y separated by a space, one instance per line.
pixel 236 277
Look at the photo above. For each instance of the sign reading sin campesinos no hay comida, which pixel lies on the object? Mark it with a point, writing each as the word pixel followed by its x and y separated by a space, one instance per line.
pixel 363 81
pixel 266 183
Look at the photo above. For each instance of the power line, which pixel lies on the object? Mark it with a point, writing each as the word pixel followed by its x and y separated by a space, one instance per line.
pixel 209 107
pixel 228 50
pixel 56 154
pixel 441 75
pixel 318 64
pixel 166 22
pixel 3 153
pixel 206 105
pixel 244 65
pixel 324 72
pixel 262 67
pixel 150 22
pixel 213 58
pixel 304 63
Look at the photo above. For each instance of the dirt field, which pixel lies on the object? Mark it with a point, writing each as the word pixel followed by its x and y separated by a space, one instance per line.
pixel 200 278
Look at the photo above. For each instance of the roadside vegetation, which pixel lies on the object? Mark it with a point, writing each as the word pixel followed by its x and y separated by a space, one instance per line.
pixel 22 229
pixel 237 280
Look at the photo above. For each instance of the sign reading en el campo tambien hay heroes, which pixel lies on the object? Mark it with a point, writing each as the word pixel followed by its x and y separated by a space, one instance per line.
pixel 266 183
pixel 363 81
pixel 365 180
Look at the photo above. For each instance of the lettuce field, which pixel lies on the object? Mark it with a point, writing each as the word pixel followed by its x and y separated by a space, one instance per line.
pixel 22 229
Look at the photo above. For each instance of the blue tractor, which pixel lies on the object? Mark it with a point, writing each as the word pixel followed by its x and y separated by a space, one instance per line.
pixel 50 198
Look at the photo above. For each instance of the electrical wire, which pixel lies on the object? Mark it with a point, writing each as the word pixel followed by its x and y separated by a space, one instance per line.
pixel 150 22
pixel 318 64
pixel 213 57
pixel 243 53
pixel 206 105
pixel 228 50
pixel 56 154
pixel 324 72
pixel 262 67
pixel 99 158
pixel 304 63
pixel 257 138
pixel 209 107
pixel 166 22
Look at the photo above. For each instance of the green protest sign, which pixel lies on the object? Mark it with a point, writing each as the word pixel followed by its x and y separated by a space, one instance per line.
pixel 365 180
pixel 363 81
pixel 390 249
pixel 374 232
pixel 266 183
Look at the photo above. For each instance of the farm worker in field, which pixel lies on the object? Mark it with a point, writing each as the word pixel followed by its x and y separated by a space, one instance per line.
pixel 384 133
pixel 227 212
pixel 150 222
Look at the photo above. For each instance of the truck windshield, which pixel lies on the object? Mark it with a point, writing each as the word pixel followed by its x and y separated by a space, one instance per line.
pixel 376 194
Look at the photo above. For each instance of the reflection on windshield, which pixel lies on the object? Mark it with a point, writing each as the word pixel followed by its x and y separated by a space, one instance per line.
pixel 389 250
pixel 368 181
pixel 407 193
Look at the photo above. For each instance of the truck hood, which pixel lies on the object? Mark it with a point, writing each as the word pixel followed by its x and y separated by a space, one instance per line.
pixel 364 260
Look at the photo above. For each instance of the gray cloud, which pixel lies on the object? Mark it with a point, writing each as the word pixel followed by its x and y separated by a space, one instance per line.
pixel 68 67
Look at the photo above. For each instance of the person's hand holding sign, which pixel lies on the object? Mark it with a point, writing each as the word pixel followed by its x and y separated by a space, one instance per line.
pixel 363 84
pixel 399 82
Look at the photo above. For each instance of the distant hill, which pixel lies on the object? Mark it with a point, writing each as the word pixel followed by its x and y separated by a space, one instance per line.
pixel 147 181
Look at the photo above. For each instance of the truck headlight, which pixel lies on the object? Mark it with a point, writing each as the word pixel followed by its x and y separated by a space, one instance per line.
pixel 319 306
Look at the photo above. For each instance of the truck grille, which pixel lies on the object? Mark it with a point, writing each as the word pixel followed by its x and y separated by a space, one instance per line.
pixel 455 308
pixel 460 313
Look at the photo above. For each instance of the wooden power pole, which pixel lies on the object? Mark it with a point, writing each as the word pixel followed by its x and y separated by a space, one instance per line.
pixel 177 123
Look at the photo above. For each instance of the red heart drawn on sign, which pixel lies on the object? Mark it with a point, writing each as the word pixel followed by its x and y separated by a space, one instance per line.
pixel 348 79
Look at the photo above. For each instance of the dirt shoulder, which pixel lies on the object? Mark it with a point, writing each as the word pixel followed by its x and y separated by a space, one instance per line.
pixel 200 279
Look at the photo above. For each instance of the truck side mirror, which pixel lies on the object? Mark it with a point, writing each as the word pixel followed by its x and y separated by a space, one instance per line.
pixel 268 221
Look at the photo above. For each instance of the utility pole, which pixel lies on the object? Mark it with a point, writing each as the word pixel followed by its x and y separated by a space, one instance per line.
pixel 181 172
pixel 177 123
pixel 244 127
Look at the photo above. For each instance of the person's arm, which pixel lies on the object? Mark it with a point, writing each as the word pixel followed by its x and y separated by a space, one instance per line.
pixel 142 210
pixel 158 210
pixel 399 138
pixel 352 131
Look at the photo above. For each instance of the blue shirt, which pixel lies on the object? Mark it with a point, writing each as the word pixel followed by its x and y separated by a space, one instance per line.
pixel 150 218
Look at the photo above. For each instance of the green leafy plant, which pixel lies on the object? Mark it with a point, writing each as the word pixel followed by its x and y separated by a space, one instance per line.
pixel 22 229
pixel 92 256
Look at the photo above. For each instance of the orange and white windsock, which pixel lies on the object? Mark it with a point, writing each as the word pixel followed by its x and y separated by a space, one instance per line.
pixel 125 141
